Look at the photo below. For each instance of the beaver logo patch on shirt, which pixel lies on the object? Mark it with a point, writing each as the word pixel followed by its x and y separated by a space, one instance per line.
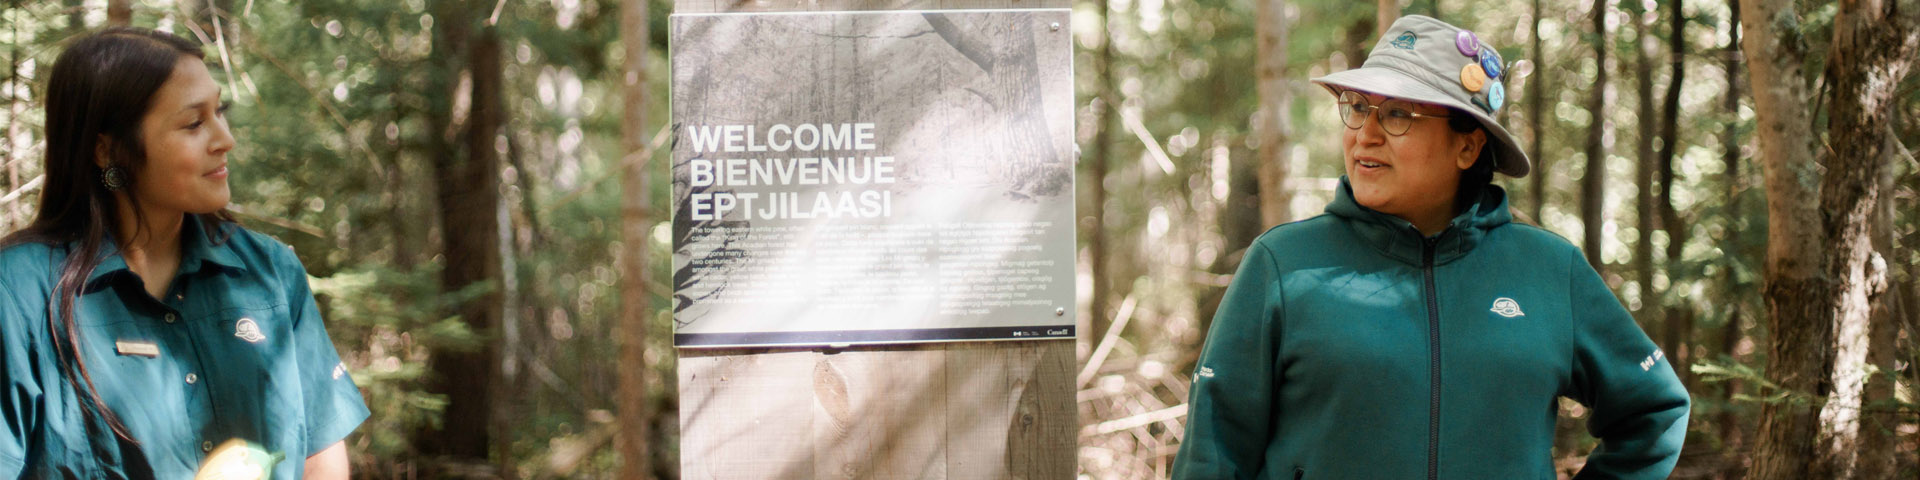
pixel 1506 307
pixel 247 330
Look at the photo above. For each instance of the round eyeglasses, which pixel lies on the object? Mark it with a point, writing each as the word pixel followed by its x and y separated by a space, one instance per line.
pixel 1396 116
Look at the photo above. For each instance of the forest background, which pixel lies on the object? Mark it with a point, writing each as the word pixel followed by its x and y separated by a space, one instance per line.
pixel 478 189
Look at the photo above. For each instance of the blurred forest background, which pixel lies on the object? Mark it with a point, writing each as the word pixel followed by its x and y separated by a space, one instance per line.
pixel 459 177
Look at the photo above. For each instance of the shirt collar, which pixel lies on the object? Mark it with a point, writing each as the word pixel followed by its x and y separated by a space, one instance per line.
pixel 197 251
pixel 1398 239
pixel 199 247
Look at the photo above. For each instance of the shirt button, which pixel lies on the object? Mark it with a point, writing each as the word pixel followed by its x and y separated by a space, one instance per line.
pixel 171 318
pixel 192 378
pixel 206 446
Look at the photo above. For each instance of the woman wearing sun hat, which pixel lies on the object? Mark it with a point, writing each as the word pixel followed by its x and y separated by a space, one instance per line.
pixel 1414 331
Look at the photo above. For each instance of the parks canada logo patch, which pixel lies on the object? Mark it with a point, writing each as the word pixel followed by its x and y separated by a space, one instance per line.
pixel 247 330
pixel 1506 307
pixel 1405 40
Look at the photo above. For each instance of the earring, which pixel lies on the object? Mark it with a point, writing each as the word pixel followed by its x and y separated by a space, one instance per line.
pixel 114 178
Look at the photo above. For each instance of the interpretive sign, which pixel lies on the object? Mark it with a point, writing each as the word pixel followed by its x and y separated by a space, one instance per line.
pixel 872 177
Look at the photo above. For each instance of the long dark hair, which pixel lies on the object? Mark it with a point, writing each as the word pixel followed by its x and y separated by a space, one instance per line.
pixel 101 87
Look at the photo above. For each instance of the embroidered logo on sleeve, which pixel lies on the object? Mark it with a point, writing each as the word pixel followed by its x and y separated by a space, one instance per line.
pixel 339 370
pixel 1506 307
pixel 1647 364
pixel 1206 372
pixel 247 330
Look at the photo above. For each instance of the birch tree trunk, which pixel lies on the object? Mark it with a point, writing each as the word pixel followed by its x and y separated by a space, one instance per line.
pixel 1874 47
pixel 1878 440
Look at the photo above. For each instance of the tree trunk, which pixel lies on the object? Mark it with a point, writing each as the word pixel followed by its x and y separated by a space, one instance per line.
pixel 1821 277
pixel 1593 182
pixel 1785 445
pixel 1731 435
pixel 119 13
pixel 11 211
pixel 76 15
pixel 399 209
pixel 1354 48
pixel 1240 224
pixel 490 314
pixel 1878 422
pixel 636 303
pixel 1677 317
pixel 1883 49
pixel 1385 12
pixel 469 197
pixel 1874 46
pixel 1270 125
pixel 1643 171
pixel 1536 101
pixel 1109 112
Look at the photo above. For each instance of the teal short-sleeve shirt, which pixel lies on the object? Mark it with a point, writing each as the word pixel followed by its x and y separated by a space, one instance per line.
pixel 234 350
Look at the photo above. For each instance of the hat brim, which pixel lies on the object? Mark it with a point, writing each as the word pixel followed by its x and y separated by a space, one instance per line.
pixel 1509 159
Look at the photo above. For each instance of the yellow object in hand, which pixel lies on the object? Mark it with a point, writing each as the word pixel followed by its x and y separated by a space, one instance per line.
pixel 239 460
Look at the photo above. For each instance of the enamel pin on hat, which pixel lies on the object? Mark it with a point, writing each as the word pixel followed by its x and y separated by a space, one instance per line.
pixel 1425 60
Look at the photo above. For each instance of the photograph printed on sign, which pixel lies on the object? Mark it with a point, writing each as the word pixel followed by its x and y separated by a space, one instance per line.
pixel 872 177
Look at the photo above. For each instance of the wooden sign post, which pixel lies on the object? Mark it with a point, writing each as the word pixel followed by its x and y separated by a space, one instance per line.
pixel 991 409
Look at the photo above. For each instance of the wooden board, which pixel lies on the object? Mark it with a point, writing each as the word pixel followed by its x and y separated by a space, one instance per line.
pixel 958 410
pixel 949 410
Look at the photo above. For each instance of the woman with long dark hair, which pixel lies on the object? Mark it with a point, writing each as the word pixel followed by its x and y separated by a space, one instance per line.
pixel 141 326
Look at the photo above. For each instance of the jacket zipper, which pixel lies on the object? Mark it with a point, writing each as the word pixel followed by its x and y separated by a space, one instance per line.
pixel 1433 349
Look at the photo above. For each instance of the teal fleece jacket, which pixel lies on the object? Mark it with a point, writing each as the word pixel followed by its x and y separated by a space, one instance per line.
pixel 1349 346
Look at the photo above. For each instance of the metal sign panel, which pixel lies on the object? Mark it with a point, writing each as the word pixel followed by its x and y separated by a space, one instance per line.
pixel 872 177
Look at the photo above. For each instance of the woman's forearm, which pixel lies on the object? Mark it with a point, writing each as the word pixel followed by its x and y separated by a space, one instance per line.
pixel 329 464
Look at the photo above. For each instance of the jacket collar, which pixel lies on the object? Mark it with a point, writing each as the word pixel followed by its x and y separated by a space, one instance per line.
pixel 1398 239
pixel 197 252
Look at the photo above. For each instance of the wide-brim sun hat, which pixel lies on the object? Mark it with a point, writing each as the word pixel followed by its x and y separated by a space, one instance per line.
pixel 1425 60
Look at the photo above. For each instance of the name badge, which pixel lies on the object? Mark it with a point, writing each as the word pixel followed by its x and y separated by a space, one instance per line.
pixel 144 349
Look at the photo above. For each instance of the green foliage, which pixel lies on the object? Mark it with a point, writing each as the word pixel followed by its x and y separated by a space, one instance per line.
pixel 1720 370
pixel 386 321
pixel 1724 370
